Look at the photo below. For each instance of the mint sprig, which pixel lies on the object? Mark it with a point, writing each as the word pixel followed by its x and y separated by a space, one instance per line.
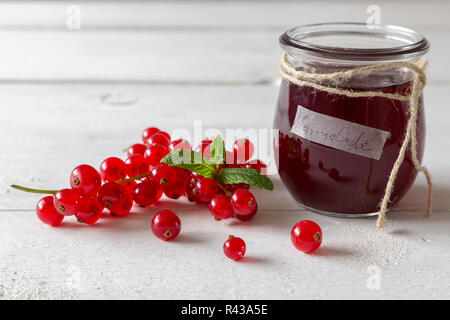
pixel 211 167
pixel 190 160
pixel 245 175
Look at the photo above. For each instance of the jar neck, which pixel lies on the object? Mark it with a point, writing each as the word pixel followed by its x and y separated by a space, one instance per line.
pixel 376 79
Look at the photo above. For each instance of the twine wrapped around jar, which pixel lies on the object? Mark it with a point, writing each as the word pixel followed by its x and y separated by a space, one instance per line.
pixel 315 81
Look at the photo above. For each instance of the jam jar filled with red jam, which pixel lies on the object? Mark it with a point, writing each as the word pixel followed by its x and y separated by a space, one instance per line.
pixel 334 152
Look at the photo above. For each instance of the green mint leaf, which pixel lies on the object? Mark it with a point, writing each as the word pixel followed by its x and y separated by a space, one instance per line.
pixel 190 160
pixel 217 150
pixel 245 175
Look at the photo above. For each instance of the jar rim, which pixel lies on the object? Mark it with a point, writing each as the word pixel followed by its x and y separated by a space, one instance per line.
pixel 350 41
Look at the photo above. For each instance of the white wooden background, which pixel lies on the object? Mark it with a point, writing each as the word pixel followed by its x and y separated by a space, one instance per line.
pixel 177 62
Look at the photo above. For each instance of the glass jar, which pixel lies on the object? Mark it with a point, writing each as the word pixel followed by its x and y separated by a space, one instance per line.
pixel 326 177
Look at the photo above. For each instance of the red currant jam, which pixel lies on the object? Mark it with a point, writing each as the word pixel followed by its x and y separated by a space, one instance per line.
pixel 334 181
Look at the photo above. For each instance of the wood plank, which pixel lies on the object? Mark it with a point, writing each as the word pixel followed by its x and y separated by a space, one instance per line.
pixel 46 130
pixel 176 15
pixel 87 262
pixel 159 57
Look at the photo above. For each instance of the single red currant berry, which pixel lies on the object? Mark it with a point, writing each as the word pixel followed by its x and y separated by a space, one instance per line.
pixel 165 134
pixel 89 210
pixel 220 207
pixel 163 176
pixel 86 180
pixel 136 165
pixel 158 138
pixel 204 148
pixel 234 248
pixel 205 189
pixel 47 213
pixel 116 198
pixel 147 133
pixel 154 154
pixel 179 144
pixel 257 165
pixel 243 202
pixel 191 194
pixel 131 185
pixel 243 150
pixel 145 193
pixel 166 225
pixel 113 169
pixel 65 201
pixel 306 236
pixel 137 148
pixel 178 189
pixel 159 194
pixel 247 217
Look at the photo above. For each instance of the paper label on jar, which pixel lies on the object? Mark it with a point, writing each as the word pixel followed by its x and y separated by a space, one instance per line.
pixel 339 134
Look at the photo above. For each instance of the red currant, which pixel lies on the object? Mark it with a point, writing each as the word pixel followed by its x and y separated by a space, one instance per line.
pixel 163 176
pixel 136 165
pixel 113 169
pixel 179 144
pixel 243 150
pixel 205 189
pixel 257 165
pixel 116 198
pixel 165 134
pixel 306 236
pixel 191 192
pixel 86 180
pixel 145 193
pixel 166 225
pixel 243 202
pixel 137 148
pixel 220 207
pixel 178 189
pixel 154 154
pixel 89 210
pixel 65 201
pixel 147 133
pixel 159 192
pixel 234 248
pixel 158 138
pixel 47 213
pixel 247 217
pixel 131 185
pixel 204 148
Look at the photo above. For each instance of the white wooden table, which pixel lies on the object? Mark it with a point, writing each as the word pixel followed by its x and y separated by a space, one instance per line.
pixel 175 63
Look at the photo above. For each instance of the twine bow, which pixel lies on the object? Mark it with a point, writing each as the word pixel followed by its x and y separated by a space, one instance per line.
pixel 313 80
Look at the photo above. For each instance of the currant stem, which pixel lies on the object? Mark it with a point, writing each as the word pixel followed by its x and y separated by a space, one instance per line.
pixel 25 189
pixel 139 176
pixel 228 193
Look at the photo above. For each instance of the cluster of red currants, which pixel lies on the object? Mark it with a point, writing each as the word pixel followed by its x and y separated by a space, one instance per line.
pixel 143 179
